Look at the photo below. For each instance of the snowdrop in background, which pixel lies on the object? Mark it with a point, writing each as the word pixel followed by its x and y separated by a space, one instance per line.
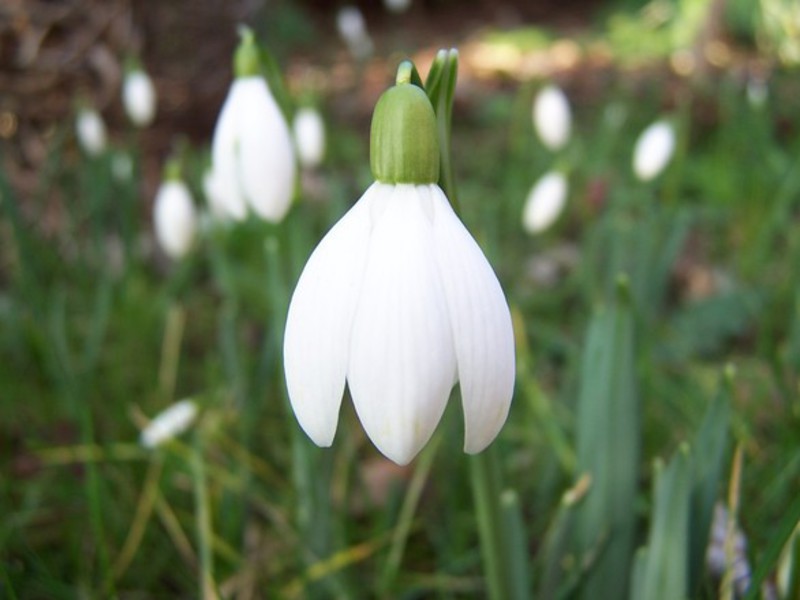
pixel 397 6
pixel 653 150
pixel 545 202
pixel 91 131
pixel 309 136
pixel 399 301
pixel 174 215
pixel 353 30
pixel 139 97
pixel 252 156
pixel 169 424
pixel 552 117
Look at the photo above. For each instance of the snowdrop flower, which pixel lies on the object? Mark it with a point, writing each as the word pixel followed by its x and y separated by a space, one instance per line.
pixel 139 97
pixel 653 150
pixel 168 424
pixel 91 131
pixel 251 153
pixel 399 301
pixel 397 6
pixel 309 137
pixel 353 30
pixel 545 202
pixel 552 117
pixel 174 216
pixel 122 166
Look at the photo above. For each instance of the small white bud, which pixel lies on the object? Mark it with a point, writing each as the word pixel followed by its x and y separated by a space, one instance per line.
pixel 91 131
pixel 309 137
pixel 139 97
pixel 175 218
pixel 653 150
pixel 168 424
pixel 552 117
pixel 545 202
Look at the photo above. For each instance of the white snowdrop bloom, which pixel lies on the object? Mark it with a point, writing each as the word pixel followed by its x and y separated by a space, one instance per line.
pixel 309 137
pixel 169 424
pixel 91 131
pixel 399 302
pixel 397 6
pixel 545 202
pixel 215 200
pixel 139 97
pixel 174 218
pixel 552 117
pixel 653 150
pixel 353 30
pixel 251 152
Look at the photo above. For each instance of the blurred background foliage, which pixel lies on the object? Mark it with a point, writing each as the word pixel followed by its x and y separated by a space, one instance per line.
pixel 658 323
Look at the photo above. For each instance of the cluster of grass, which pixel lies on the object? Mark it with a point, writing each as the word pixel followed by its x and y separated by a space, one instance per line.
pixel 99 333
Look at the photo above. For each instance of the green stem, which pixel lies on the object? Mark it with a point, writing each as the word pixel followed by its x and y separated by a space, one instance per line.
pixel 486 489
pixel 203 522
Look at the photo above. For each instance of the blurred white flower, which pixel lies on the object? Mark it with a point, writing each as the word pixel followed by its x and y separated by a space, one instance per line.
pixel 399 300
pixel 174 218
pixel 397 6
pixel 552 117
pixel 122 166
pixel 545 202
pixel 353 30
pixel 215 200
pixel 309 137
pixel 91 131
pixel 757 92
pixel 252 156
pixel 653 150
pixel 168 424
pixel 139 97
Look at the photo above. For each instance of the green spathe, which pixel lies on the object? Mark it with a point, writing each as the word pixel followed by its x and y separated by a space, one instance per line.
pixel 245 60
pixel 404 147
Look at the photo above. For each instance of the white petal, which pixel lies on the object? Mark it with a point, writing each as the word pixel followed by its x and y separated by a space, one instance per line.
pixel 653 150
pixel 317 336
pixel 169 423
pixel 139 97
pixel 481 324
pixel 309 135
pixel 174 218
pixel 266 156
pixel 552 117
pixel 91 131
pixel 545 202
pixel 224 157
pixel 402 364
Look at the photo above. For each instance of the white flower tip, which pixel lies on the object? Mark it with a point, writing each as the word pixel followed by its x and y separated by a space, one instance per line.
pixel 653 150
pixel 309 136
pixel 139 98
pixel 545 202
pixel 174 218
pixel 552 117
pixel 91 131
pixel 169 423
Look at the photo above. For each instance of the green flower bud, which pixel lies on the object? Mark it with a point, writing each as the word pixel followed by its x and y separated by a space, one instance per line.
pixel 245 60
pixel 404 147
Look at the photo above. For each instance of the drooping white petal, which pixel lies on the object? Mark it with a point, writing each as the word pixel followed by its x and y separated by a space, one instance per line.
pixel 169 423
pixel 91 131
pixel 653 150
pixel 552 117
pixel 139 97
pixel 481 325
pixel 317 337
pixel 353 29
pixel 265 152
pixel 402 364
pixel 309 135
pixel 545 202
pixel 174 218
pixel 224 158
